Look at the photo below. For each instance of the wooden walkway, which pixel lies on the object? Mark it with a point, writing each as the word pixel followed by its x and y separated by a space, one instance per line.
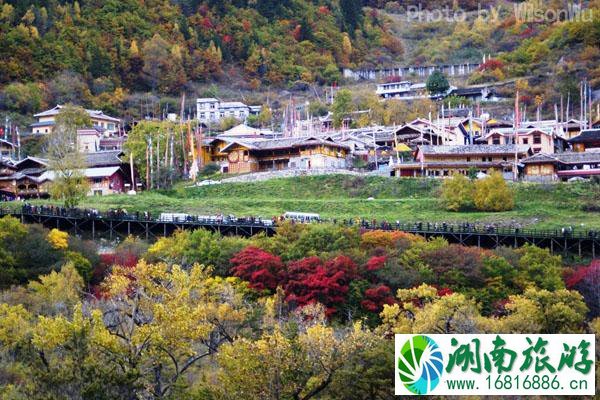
pixel 111 227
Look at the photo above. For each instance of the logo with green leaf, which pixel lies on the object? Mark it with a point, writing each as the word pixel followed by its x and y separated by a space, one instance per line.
pixel 420 364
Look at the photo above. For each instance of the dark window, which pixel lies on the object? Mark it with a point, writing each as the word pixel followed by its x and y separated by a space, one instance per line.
pixel 468 159
pixel 537 139
pixel 525 141
pixel 483 159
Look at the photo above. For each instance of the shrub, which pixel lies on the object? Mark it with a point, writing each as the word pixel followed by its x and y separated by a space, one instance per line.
pixel 371 240
pixel 210 169
pixel 539 267
pixel 457 193
pixel 261 269
pixel 586 280
pixel 493 194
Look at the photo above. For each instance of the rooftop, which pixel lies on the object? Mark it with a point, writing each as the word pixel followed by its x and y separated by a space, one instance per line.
pixel 475 149
pixel 103 158
pixel 274 144
pixel 92 113
pixel 232 104
pixel 564 158
pixel 588 135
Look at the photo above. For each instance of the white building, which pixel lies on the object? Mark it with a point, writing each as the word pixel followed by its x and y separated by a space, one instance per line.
pixel 46 120
pixel 210 110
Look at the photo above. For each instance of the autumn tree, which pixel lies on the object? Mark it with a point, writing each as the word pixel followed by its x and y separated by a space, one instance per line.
pixel 163 65
pixel 66 160
pixel 424 310
pixel 457 193
pixel 187 248
pixel 311 281
pixel 263 270
pixel 542 311
pixel 493 194
pixel 540 268
pixel 585 280
pixel 284 362
pixel 142 340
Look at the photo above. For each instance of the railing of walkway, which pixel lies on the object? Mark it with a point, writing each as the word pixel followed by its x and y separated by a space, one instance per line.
pixel 412 227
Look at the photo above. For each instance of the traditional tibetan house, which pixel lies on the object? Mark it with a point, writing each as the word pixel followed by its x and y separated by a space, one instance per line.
pixel 572 128
pixel 31 177
pixel 444 161
pixel 107 173
pixel 245 156
pixel 419 132
pixel 588 139
pixel 7 149
pixel 47 119
pixel 540 140
pixel 28 178
pixel 562 166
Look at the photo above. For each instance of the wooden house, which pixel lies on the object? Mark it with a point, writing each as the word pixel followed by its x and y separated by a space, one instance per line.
pixel 562 166
pixel 243 156
pixel 588 139
pixel 32 176
pixel 7 149
pixel 444 161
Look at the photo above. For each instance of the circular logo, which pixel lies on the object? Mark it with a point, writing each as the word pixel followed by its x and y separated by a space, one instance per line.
pixel 420 364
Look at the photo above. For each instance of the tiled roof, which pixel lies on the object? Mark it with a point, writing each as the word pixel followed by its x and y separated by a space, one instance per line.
pixel 588 135
pixel 474 149
pixel 576 158
pixel 92 113
pixel 36 160
pixel 539 158
pixel 103 158
pixel 100 172
pixel 38 124
pixel 564 158
pixel 273 144
pixel 520 131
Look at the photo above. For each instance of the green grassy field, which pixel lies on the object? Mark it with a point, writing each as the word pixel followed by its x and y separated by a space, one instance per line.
pixel 341 196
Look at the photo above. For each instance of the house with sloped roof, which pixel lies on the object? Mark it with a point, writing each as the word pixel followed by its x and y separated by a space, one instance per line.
pixel 541 140
pixel 561 166
pixel 588 139
pixel 243 155
pixel 47 119
pixel 444 161
pixel 31 177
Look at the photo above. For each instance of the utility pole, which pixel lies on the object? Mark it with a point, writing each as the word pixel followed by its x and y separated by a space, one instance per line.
pixel 516 132
pixel 158 161
pixel 580 105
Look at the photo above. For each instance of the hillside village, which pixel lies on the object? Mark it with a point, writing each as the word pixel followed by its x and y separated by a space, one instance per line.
pixel 456 142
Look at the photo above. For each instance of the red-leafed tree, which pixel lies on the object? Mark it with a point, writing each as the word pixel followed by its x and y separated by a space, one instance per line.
pixel 309 280
pixel 376 263
pixel 261 269
pixel 491 65
pixel 376 297
pixel 586 280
